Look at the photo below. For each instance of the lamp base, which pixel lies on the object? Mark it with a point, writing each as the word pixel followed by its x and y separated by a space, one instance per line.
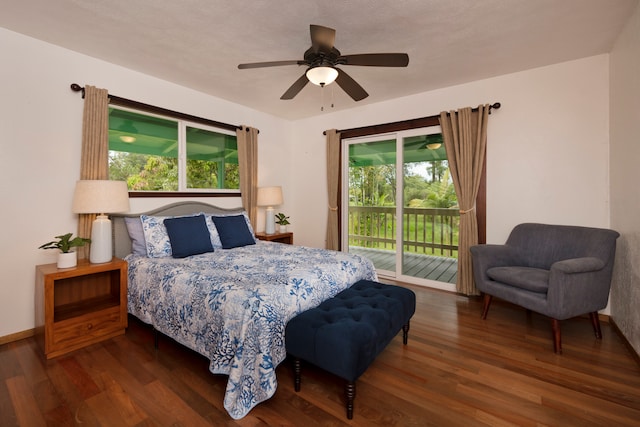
pixel 270 221
pixel 101 248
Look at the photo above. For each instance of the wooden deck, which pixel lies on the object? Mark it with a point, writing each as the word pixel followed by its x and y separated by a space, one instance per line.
pixel 441 269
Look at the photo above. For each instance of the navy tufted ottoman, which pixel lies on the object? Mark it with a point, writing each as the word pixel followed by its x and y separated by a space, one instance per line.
pixel 344 334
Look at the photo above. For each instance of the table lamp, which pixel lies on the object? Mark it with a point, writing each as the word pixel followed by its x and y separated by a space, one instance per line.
pixel 269 197
pixel 100 197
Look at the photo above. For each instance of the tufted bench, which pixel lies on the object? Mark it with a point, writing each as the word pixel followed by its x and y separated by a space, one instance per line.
pixel 344 334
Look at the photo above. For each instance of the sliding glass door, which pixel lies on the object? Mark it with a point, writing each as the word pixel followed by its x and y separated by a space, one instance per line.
pixel 400 206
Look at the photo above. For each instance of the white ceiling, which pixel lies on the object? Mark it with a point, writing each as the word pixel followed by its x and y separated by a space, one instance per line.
pixel 199 43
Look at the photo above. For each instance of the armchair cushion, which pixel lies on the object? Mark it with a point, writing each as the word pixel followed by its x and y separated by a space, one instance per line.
pixel 531 279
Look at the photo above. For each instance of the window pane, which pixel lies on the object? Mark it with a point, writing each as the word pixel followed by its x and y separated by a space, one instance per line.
pixel 212 159
pixel 143 150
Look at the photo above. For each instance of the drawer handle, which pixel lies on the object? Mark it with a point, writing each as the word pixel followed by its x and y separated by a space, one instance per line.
pixel 90 326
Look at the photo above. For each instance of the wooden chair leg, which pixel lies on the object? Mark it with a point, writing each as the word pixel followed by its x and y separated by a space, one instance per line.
pixel 296 374
pixel 486 305
pixel 405 333
pixel 595 321
pixel 351 395
pixel 557 338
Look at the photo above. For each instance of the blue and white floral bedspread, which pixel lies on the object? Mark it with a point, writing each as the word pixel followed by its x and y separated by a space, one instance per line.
pixel 232 306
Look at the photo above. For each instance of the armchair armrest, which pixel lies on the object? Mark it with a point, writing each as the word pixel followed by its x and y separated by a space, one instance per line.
pixel 577 286
pixel 578 265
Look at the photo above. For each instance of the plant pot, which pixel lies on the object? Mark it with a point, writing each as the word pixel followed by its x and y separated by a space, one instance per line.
pixel 67 259
pixel 282 228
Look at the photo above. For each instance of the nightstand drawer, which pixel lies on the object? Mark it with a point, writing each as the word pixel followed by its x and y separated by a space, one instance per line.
pixel 86 328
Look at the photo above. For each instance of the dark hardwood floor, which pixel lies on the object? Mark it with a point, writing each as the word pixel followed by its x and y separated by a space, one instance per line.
pixel 456 370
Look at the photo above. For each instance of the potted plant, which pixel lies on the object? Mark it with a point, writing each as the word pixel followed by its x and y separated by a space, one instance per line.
pixel 66 258
pixel 282 220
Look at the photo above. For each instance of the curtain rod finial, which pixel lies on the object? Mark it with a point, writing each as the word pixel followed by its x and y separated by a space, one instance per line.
pixel 77 88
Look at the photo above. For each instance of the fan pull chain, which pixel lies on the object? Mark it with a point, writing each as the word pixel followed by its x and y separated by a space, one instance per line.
pixel 332 96
pixel 321 97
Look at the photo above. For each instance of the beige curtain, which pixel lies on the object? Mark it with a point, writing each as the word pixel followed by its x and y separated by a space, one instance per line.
pixel 465 139
pixel 94 160
pixel 247 138
pixel 333 181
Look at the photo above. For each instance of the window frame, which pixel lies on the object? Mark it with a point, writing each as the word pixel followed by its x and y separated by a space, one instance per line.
pixel 182 122
pixel 403 125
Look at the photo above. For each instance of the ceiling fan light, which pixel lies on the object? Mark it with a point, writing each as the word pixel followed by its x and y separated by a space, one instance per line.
pixel 322 76
pixel 128 139
pixel 434 145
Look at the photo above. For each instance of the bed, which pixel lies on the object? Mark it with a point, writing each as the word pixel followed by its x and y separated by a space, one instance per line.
pixel 230 304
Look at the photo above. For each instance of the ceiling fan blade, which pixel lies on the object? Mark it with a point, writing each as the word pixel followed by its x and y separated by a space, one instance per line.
pixel 376 59
pixel 323 37
pixel 353 89
pixel 269 64
pixel 295 88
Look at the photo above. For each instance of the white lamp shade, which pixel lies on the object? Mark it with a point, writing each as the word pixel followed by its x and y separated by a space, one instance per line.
pixel 322 75
pixel 100 196
pixel 269 196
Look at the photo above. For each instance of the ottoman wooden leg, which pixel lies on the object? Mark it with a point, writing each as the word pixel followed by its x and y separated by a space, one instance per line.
pixel 405 333
pixel 296 374
pixel 351 394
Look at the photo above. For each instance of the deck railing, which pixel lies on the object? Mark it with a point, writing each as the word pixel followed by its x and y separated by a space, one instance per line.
pixel 432 231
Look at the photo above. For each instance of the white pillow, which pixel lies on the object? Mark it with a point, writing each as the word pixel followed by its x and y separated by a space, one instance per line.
pixel 155 236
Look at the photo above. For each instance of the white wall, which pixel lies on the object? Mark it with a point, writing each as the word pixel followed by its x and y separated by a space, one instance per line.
pixel 547 150
pixel 40 132
pixel 625 175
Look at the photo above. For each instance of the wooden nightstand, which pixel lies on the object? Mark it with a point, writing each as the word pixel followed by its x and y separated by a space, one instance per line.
pixel 79 306
pixel 277 237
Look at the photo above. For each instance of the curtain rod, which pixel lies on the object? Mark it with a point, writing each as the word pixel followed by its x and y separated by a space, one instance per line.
pixel 401 125
pixel 124 102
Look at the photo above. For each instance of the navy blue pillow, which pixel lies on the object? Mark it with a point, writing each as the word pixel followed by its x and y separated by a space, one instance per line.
pixel 188 236
pixel 233 231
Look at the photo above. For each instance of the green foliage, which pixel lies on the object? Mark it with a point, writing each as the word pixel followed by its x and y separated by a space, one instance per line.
pixel 282 219
pixel 442 194
pixel 65 243
pixel 144 172
pixel 427 185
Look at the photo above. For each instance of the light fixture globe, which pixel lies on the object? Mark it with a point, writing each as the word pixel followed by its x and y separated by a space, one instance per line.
pixel 322 75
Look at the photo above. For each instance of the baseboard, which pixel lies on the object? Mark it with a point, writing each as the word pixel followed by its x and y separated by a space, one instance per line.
pixel 17 336
pixel 625 340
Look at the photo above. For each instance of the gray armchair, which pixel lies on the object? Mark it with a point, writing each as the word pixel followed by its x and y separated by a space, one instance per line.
pixel 559 271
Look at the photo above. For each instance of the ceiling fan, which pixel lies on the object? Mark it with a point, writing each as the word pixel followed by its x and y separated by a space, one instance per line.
pixel 322 58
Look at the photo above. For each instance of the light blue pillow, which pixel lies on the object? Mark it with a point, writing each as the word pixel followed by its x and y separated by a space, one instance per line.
pixel 188 236
pixel 233 231
pixel 136 234
pixel 155 236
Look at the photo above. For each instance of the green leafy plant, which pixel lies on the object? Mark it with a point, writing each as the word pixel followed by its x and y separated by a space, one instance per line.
pixel 65 243
pixel 282 219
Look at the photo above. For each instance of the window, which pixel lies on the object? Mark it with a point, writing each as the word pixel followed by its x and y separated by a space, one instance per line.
pixel 400 207
pixel 163 154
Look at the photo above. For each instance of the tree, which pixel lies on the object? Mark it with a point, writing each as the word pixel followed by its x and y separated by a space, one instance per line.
pixel 144 172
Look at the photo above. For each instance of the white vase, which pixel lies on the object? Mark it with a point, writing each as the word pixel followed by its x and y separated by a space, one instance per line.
pixel 282 228
pixel 67 259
